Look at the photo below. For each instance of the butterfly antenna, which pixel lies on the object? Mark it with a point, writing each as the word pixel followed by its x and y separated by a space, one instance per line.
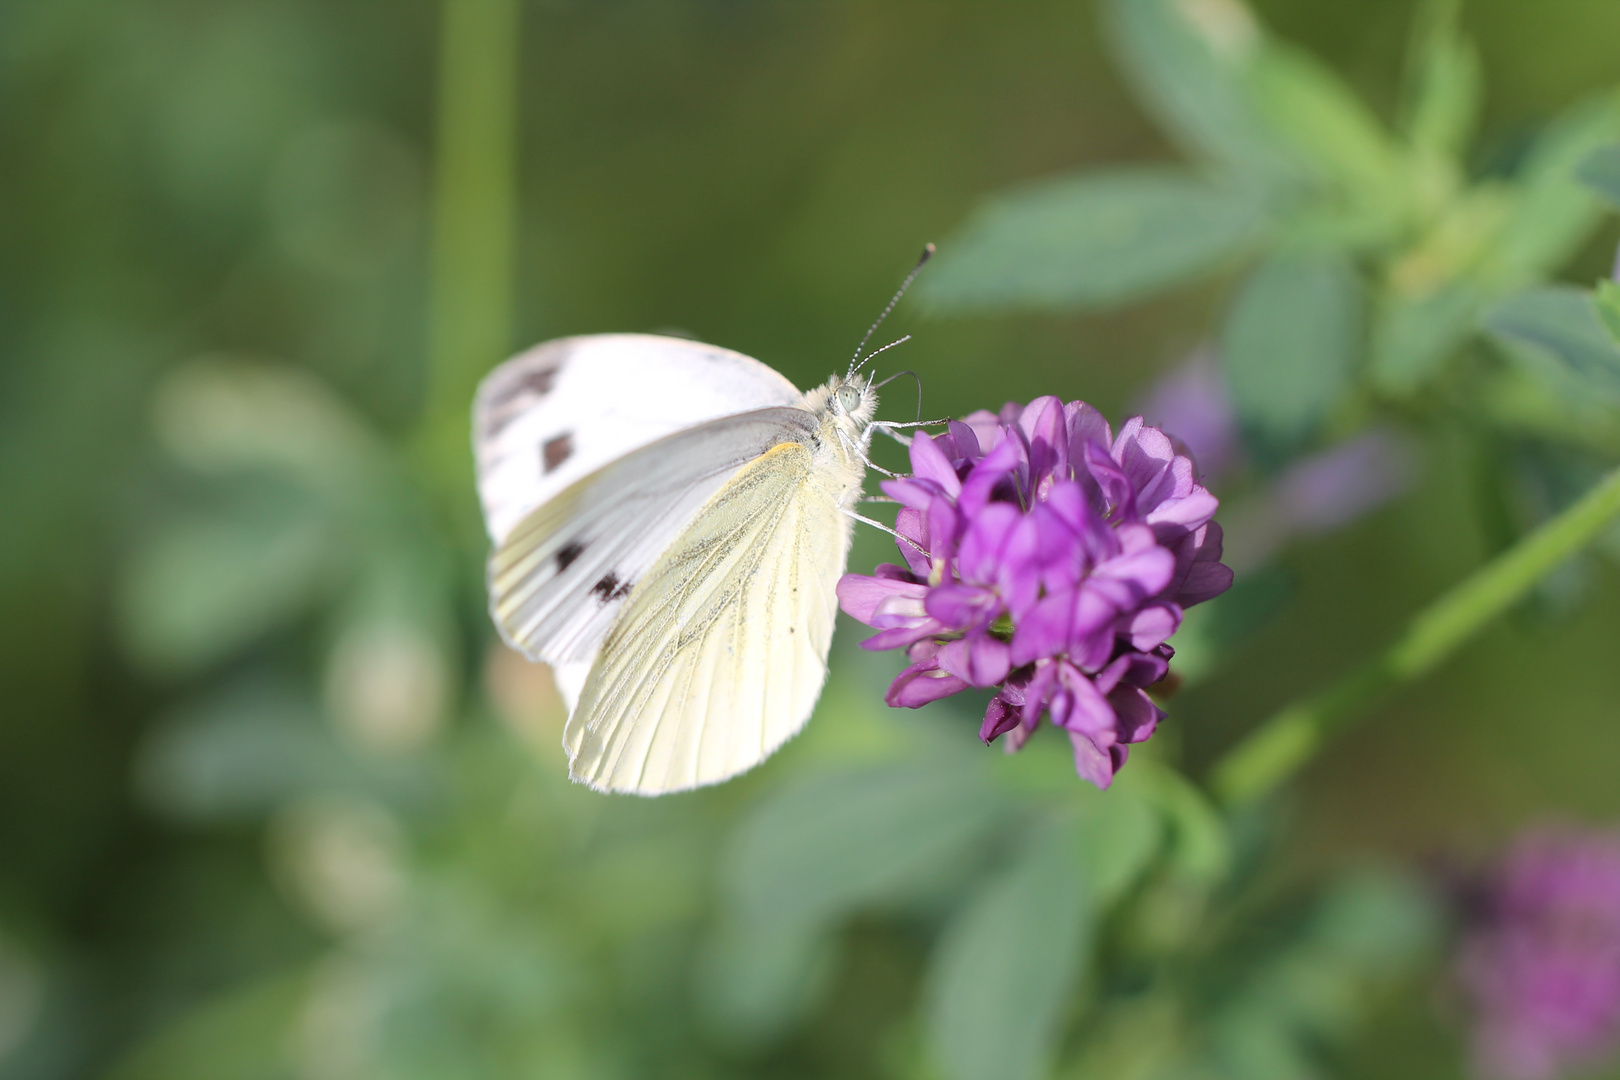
pixel 855 361
pixel 884 349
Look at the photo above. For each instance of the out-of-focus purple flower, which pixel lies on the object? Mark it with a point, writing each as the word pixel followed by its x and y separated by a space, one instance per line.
pixel 1542 963
pixel 1321 493
pixel 1317 494
pixel 1050 558
pixel 1191 401
pixel 1329 490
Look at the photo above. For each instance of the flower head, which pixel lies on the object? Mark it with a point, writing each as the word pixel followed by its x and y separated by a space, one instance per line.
pixel 1049 558
pixel 1542 962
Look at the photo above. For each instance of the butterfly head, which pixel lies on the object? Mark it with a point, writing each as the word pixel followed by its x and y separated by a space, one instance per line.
pixel 852 400
pixel 846 406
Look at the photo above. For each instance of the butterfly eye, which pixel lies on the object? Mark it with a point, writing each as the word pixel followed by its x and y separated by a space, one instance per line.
pixel 849 397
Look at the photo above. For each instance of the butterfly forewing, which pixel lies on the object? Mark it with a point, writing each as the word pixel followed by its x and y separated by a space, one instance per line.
pixel 718 658
pixel 557 413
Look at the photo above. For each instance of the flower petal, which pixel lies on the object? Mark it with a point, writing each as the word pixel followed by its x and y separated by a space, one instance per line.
pixel 979 558
pixel 1043 629
pixel 965 440
pixel 1095 764
pixel 963 607
pixel 1018 577
pixel 1000 717
pixel 1145 454
pixel 1205 581
pixel 1087 710
pixel 928 462
pixel 1117 494
pixel 1152 625
pixel 921 683
pixel 1132 578
pixel 860 595
pixel 1035 691
pixel 987 426
pixel 1046 429
pixel 1136 715
pixel 1087 425
pixel 902 637
pixel 1140 669
pixel 1183 512
pixel 979 659
pixel 990 471
pixel 912 525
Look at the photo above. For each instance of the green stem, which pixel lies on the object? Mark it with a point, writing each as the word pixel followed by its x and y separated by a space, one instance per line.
pixel 470 307
pixel 1285 742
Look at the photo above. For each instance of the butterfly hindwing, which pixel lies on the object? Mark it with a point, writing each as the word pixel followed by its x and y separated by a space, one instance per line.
pixel 720 656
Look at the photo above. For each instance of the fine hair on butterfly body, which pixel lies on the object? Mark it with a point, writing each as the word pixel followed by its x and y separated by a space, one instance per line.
pixel 669 522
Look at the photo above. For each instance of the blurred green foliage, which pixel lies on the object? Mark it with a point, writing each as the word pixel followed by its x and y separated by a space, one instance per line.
pixel 275 804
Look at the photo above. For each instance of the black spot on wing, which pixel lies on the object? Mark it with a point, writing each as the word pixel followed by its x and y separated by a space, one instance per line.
pixel 611 588
pixel 555 451
pixel 568 554
pixel 537 382
pixel 517 394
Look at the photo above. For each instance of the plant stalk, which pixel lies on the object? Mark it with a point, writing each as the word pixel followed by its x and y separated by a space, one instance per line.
pixel 470 305
pixel 1280 746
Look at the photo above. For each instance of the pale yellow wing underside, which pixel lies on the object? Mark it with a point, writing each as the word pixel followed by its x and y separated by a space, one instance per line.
pixel 719 655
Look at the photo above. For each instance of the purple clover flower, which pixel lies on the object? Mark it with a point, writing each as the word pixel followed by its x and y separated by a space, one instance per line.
pixel 1542 962
pixel 1049 558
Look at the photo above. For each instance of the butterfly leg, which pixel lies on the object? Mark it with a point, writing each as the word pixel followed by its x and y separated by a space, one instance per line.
pixel 858 452
pixel 885 528
pixel 891 433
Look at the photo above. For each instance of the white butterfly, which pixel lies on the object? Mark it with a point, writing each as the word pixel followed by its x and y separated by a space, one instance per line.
pixel 669 521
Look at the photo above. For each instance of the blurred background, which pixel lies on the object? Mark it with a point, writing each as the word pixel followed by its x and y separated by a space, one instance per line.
pixel 274 800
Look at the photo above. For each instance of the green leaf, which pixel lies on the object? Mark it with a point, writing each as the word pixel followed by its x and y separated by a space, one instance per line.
pixel 240 752
pixel 1316 112
pixel 1001 977
pixel 1289 347
pixel 1563 336
pixel 1369 930
pixel 836 841
pixel 1444 88
pixel 1600 171
pixel 1093 240
pixel 1376 921
pixel 1607 299
pixel 814 852
pixel 1413 337
pixel 1553 212
pixel 1188 63
pixel 203 586
pixel 1121 832
pixel 754 981
pixel 221 416
pixel 242 1035
pixel 1200 848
